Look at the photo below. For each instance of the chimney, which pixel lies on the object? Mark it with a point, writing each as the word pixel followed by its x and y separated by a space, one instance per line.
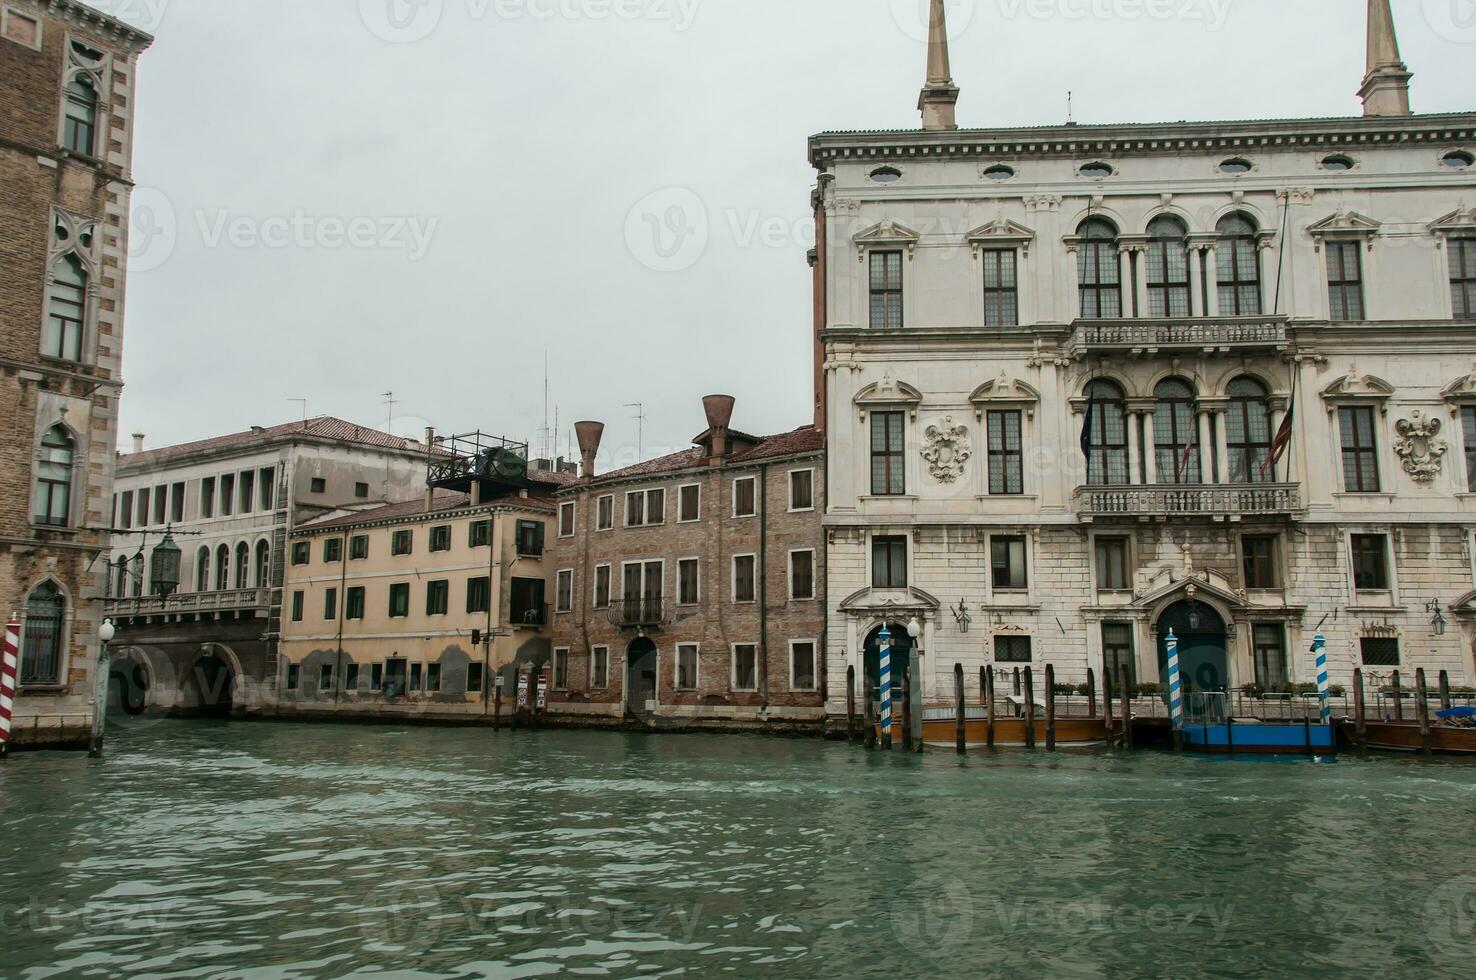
pixel 589 435
pixel 719 409
pixel 138 442
pixel 1385 90
pixel 939 97
pixel 430 445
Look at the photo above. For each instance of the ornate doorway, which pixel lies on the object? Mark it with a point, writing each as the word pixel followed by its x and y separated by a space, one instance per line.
pixel 1203 662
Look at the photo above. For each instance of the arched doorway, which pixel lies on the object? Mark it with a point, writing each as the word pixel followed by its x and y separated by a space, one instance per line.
pixel 209 686
pixel 901 648
pixel 1203 663
pixel 640 678
pixel 129 684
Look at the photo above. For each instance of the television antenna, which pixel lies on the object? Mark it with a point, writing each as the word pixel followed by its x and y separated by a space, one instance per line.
pixel 640 417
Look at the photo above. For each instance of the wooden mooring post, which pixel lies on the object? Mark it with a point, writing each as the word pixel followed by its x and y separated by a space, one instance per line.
pixel 1028 696
pixel 989 706
pixel 851 704
pixel 1360 711
pixel 1050 698
pixel 1127 708
pixel 1445 690
pixel 496 705
pixel 960 735
pixel 1107 695
pixel 1091 693
pixel 868 718
pixel 1422 710
pixel 907 701
pixel 1398 697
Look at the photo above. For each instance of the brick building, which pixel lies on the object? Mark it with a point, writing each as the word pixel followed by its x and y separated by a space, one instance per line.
pixel 689 590
pixel 67 75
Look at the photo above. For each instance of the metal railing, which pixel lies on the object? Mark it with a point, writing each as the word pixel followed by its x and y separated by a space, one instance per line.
pixel 638 612
pixel 1167 500
pixel 1195 333
pixel 190 602
pixel 528 617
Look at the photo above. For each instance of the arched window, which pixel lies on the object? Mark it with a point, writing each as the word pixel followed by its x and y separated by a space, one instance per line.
pixel 202 570
pixel 54 478
pixel 1248 431
pixel 1108 463
pixel 121 576
pixel 263 564
pixel 79 131
pixel 1239 267
pixel 1176 433
pixel 65 303
pixel 136 576
pixel 1167 267
pixel 1098 272
pixel 222 568
pixel 243 565
pixel 46 611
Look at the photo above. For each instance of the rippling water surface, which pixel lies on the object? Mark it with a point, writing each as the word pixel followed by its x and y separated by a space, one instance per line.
pixel 275 850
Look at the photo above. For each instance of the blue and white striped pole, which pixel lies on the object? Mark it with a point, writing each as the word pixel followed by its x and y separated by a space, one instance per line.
pixel 886 687
pixel 1176 694
pixel 1319 648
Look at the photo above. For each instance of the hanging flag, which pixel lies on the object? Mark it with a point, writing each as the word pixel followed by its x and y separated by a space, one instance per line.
pixel 8 668
pixel 1086 429
pixel 1319 650
pixel 1189 451
pixel 1283 439
pixel 1176 696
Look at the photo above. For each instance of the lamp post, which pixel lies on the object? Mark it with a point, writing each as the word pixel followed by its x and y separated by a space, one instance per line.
pixel 914 686
pixel 105 636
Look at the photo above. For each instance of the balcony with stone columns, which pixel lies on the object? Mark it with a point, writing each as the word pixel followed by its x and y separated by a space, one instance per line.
pixel 1226 336
pixel 1224 502
pixel 237 601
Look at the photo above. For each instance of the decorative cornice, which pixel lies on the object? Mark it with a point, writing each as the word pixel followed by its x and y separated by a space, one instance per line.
pixel 97 22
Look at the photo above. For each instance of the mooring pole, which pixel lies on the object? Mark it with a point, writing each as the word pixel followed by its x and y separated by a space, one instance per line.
pixel 915 713
pixel 851 703
pixel 1050 696
pixel 1360 715
pixel 869 719
pixel 1422 709
pixel 1107 696
pixel 1398 697
pixel 1091 693
pixel 1029 697
pixel 906 704
pixel 496 703
pixel 958 689
pixel 1127 710
pixel 1017 682
pixel 989 706
pixel 1445 690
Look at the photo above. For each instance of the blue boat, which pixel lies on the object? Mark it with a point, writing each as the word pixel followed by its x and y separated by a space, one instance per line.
pixel 1258 737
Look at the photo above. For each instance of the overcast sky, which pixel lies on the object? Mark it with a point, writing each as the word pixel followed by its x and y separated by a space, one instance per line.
pixel 339 198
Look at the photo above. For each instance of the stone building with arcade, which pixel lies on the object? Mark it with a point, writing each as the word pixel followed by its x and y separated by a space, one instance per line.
pixel 1181 293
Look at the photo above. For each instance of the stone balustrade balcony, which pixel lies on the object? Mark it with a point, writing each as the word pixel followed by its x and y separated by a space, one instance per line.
pixel 191 603
pixel 1200 335
pixel 1216 501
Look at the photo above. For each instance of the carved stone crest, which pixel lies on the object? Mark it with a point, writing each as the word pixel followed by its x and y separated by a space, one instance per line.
pixel 1420 446
pixel 946 448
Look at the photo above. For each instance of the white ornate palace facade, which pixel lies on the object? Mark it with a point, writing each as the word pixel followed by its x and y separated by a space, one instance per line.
pixel 1177 292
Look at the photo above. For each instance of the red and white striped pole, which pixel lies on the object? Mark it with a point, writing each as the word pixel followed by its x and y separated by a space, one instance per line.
pixel 8 667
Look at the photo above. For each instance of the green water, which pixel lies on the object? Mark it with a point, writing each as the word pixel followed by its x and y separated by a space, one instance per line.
pixel 274 850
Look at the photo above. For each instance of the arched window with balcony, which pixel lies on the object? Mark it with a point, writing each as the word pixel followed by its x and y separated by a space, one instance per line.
pixel 1238 262
pixel 54 478
pixel 1166 271
pixel 263 564
pixel 1248 431
pixel 1098 270
pixel 1107 410
pixel 222 568
pixel 42 635
pixel 202 570
pixel 1176 433
pixel 243 565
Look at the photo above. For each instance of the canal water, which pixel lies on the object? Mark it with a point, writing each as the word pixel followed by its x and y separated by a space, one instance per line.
pixel 211 849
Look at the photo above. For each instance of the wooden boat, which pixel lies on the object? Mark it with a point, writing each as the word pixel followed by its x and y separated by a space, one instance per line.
pixel 1404 736
pixel 943 733
pixel 1237 736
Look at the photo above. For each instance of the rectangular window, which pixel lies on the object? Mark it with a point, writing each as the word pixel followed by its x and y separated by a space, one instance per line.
pixel 474 678
pixel 1012 649
pixel 161 505
pixel 402 543
pixel 353 603
pixel 389 678
pixel 561 669
pixel 743 578
pixel 479 534
pixel 207 497
pixel 440 538
pixel 478 594
pixel 530 539
pixel 143 507
pixel 886 290
pixel 1462 277
pixel 125 510
pixel 888 448
pixel 889 563
pixel 437 595
pixel 689 503
pixel 330 604
pixel 318 485
pixel 745 667
pixel 1117 652
pixel 297 601
pixel 359 547
pixel 361 490
pixel 1370 563
pixel 605 513
pixel 248 491
pixel 267 482
pixel 745 497
pixel 20 28
pixel 564 590
pixel 1379 651
pixel 1468 423
pixel 1001 299
pixel 802 490
pixel 566 519
pixel 1007 559
pixel 688 593
pixel 302 552
pixel 177 503
pixel 1006 454
pixel 645 507
pixel 227 495
pixel 417 676
pixel 292 674
pixel 802 575
pixel 1269 641
pixel 526 606
pixel 802 665
pixel 1345 280
pixel 399 600
pixel 325 677
pixel 602 587
pixel 686 667
pixel 1360 450
pixel 333 550
pixel 351 677
pixel 1258 553
pixel 1113 574
pixel 599 668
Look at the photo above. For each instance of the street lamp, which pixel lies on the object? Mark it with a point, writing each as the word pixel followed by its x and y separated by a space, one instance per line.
pixel 105 634
pixel 1437 623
